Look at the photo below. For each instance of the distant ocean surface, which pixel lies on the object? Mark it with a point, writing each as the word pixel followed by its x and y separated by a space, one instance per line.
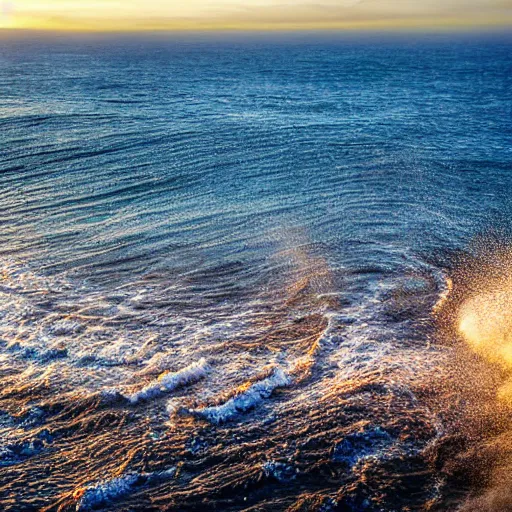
pixel 219 261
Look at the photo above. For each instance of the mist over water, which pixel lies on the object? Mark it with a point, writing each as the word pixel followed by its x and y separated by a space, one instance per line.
pixel 249 274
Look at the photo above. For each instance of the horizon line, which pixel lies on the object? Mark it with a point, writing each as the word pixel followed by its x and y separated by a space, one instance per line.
pixel 264 28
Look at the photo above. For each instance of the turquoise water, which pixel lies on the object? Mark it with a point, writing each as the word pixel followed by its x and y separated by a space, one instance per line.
pixel 276 210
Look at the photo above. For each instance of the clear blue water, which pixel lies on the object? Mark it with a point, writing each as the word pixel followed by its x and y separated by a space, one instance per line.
pixel 156 151
pixel 165 199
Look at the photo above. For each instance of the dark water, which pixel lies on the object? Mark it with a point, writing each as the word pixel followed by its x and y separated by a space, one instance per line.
pixel 270 220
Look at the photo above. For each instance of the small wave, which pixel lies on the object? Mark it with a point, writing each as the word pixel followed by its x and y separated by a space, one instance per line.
pixel 244 401
pixel 170 381
pixel 99 494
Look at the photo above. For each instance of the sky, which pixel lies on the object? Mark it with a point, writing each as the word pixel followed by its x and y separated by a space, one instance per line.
pixel 113 15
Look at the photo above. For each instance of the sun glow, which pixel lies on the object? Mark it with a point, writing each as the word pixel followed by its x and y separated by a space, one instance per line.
pixel 485 323
pixel 133 15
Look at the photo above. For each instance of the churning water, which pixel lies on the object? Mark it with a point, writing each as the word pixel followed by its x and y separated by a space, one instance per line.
pixel 251 273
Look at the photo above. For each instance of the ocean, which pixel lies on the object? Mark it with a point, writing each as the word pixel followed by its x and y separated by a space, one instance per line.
pixel 222 259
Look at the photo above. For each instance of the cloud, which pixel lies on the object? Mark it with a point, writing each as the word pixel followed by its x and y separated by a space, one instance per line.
pixel 7 8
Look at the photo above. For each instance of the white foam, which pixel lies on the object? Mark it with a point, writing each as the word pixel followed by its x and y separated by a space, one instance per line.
pixel 170 381
pixel 101 493
pixel 244 401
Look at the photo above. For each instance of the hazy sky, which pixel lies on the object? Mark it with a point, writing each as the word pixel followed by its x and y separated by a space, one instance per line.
pixel 252 14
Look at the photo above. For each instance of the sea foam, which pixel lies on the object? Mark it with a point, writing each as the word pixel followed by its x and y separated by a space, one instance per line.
pixel 99 494
pixel 170 381
pixel 244 401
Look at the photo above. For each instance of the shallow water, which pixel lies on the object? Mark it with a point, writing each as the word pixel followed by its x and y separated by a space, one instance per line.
pixel 220 260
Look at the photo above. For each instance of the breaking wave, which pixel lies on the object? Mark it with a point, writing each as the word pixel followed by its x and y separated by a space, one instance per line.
pixel 169 381
pixel 244 400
